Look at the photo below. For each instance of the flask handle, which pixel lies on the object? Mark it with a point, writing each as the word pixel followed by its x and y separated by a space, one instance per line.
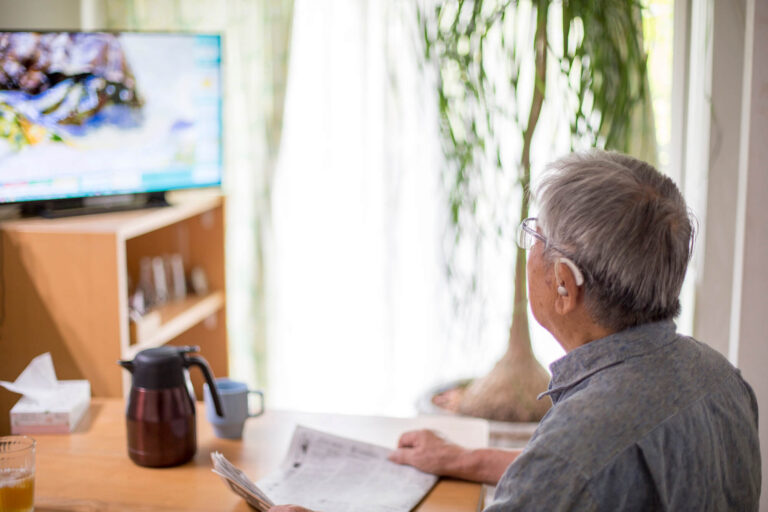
pixel 200 362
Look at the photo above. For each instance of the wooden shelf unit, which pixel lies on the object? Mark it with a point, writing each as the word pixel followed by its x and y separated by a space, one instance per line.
pixel 64 290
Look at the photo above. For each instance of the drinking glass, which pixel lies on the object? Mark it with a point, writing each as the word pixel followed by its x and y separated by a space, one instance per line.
pixel 17 473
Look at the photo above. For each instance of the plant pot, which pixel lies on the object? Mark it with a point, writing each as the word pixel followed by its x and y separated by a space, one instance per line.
pixel 502 434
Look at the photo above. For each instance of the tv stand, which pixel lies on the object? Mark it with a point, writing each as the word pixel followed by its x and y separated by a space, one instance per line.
pixel 65 284
pixel 92 205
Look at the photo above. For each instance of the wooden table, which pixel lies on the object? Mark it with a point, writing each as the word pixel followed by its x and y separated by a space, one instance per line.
pixel 89 470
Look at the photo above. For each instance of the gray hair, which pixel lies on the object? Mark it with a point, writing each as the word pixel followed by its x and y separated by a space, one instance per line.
pixel 628 229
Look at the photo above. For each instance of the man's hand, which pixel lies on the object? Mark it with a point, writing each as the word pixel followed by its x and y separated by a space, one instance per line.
pixel 429 452
pixel 288 508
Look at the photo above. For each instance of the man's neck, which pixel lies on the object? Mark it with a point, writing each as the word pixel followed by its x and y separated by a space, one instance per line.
pixel 579 329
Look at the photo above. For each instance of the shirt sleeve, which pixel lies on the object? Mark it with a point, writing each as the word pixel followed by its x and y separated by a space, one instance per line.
pixel 542 480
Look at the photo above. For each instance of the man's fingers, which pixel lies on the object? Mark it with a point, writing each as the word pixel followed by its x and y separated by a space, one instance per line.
pixel 399 456
pixel 407 439
pixel 411 438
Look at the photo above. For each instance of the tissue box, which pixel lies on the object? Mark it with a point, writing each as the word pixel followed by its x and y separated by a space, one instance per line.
pixel 28 417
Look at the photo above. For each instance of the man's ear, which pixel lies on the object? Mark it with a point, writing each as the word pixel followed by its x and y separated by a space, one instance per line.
pixel 568 282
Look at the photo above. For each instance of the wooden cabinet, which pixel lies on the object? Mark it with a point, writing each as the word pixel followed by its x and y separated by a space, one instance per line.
pixel 65 287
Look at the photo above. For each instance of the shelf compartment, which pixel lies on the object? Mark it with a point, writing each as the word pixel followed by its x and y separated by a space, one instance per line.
pixel 174 319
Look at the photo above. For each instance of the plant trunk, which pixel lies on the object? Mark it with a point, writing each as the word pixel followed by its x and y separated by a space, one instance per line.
pixel 509 392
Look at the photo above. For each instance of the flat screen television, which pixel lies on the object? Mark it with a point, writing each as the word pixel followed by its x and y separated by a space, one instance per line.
pixel 108 114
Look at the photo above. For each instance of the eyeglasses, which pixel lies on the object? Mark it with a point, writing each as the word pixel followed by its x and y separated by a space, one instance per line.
pixel 527 236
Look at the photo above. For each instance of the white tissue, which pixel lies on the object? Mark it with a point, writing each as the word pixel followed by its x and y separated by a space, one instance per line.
pixel 37 382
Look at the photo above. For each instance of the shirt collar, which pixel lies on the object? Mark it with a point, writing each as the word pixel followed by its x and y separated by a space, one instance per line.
pixel 596 355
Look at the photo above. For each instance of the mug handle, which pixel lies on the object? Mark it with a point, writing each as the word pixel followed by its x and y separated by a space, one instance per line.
pixel 261 408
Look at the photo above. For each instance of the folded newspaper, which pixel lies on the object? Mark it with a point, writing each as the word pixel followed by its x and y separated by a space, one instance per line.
pixel 332 474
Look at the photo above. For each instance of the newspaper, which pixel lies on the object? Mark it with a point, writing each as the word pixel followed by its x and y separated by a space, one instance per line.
pixel 240 483
pixel 332 474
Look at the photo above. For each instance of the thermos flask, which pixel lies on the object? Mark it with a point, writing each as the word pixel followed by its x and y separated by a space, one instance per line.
pixel 160 414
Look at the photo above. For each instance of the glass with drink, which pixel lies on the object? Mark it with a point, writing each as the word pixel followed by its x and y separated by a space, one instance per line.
pixel 17 473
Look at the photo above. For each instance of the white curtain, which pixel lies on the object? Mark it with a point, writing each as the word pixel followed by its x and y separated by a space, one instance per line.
pixel 357 267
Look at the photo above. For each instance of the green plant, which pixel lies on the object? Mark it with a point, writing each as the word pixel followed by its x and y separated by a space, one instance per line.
pixel 602 64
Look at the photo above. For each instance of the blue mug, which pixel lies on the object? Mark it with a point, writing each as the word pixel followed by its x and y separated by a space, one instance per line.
pixel 234 404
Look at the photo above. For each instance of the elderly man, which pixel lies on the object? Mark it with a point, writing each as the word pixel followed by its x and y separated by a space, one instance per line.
pixel 643 418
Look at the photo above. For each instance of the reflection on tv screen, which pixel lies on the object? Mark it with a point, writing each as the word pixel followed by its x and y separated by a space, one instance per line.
pixel 88 113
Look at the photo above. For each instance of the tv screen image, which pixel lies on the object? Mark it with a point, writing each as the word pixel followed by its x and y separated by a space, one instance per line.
pixel 91 113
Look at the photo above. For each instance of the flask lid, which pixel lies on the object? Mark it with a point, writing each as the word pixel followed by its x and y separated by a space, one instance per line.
pixel 161 367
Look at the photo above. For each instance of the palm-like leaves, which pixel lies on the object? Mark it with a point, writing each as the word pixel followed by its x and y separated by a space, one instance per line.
pixel 612 64
pixel 602 58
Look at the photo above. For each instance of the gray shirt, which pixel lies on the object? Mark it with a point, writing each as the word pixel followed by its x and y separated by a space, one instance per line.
pixel 644 419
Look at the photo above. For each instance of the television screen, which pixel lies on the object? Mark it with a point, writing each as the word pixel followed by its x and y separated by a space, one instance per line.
pixel 91 113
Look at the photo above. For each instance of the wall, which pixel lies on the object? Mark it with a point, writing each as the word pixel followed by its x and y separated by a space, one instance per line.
pixel 40 14
pixel 749 319
pixel 731 272
pixel 723 109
